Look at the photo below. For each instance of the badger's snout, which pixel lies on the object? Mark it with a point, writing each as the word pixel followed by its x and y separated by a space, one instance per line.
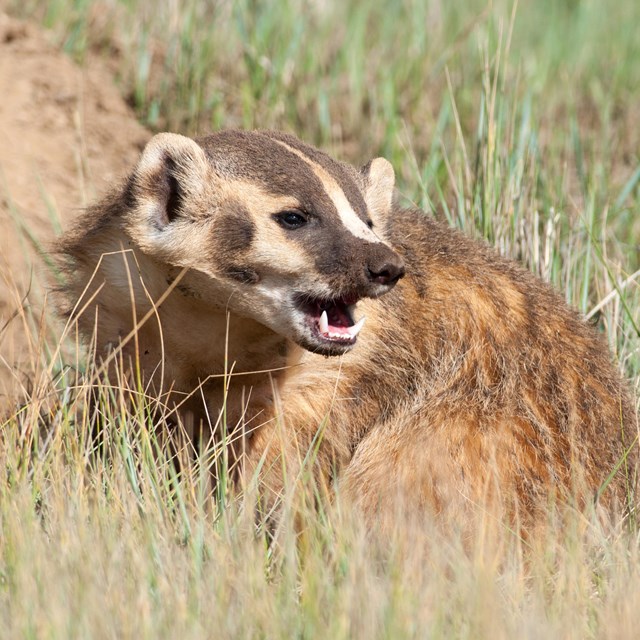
pixel 384 267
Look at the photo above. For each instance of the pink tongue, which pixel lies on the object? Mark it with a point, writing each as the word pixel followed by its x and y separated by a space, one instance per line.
pixel 339 329
pixel 335 323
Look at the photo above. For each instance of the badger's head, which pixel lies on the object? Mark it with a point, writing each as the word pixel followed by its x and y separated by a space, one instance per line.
pixel 277 231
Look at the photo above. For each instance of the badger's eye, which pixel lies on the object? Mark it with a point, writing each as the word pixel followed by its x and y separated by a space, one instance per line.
pixel 291 219
pixel 370 224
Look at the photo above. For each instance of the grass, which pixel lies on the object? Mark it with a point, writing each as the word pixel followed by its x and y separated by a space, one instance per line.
pixel 519 124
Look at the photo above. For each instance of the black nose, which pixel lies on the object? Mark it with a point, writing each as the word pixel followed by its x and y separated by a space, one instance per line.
pixel 386 272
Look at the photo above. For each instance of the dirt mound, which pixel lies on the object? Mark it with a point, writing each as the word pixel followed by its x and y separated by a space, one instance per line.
pixel 65 136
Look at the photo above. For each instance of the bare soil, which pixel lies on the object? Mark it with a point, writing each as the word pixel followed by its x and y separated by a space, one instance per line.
pixel 65 136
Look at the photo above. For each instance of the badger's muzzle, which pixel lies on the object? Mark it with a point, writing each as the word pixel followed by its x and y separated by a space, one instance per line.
pixel 330 321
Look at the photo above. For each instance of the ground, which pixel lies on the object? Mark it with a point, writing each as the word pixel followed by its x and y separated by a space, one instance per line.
pixel 65 135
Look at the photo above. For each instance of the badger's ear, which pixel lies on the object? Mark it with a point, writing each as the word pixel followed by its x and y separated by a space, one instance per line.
pixel 379 179
pixel 172 171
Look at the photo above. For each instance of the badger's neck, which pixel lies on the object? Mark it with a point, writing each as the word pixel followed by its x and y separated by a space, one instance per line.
pixel 182 341
pixel 233 362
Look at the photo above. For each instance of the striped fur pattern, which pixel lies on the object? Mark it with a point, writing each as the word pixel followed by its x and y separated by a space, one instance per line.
pixel 471 386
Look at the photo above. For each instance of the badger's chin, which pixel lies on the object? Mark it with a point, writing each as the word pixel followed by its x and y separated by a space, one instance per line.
pixel 327 326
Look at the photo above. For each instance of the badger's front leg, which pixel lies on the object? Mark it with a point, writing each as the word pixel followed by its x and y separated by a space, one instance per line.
pixel 292 455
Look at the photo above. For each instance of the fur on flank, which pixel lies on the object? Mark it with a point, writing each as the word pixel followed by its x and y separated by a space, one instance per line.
pixel 471 387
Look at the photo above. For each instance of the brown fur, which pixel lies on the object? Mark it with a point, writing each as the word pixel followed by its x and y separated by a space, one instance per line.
pixel 472 387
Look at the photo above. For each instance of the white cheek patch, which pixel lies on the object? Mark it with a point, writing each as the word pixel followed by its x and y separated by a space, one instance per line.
pixel 349 218
pixel 266 254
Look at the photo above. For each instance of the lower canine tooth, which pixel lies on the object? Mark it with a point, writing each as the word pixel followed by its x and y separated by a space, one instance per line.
pixel 355 330
pixel 324 323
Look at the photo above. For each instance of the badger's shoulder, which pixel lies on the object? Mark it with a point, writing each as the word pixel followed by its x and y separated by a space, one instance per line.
pixel 464 310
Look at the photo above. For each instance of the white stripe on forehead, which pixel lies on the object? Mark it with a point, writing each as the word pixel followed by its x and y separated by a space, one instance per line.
pixel 349 218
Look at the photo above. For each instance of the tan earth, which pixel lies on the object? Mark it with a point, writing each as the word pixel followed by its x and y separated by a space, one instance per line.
pixel 65 135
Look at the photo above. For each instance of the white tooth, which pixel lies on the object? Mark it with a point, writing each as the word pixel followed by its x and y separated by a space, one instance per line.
pixel 355 330
pixel 324 323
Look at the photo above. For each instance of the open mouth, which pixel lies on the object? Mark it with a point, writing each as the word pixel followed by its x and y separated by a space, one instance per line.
pixel 331 321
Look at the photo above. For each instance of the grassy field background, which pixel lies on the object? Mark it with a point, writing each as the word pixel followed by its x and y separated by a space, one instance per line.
pixel 519 124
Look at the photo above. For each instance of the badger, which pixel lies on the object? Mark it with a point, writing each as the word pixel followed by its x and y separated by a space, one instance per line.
pixel 250 278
